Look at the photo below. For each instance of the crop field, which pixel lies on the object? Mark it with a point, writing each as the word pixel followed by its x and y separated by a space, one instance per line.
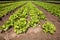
pixel 29 20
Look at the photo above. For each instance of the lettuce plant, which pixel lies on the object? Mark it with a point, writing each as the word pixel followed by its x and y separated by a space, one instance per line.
pixel 49 27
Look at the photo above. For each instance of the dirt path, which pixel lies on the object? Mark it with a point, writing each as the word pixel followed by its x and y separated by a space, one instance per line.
pixel 6 17
pixel 54 20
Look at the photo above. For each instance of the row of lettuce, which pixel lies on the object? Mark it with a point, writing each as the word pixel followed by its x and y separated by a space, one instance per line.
pixel 26 17
pixel 52 8
pixel 8 7
pixel 5 4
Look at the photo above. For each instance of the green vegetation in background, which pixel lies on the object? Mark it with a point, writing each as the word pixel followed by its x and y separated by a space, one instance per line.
pixel 29 0
pixel 5 8
pixel 53 9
